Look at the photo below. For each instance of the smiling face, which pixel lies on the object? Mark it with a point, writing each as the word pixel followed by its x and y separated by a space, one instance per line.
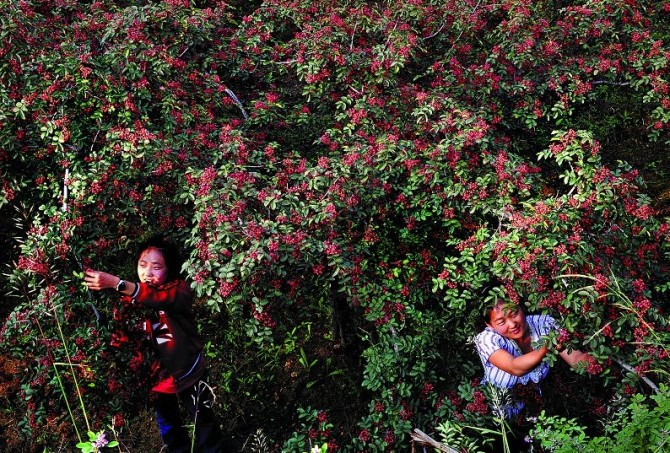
pixel 510 322
pixel 151 267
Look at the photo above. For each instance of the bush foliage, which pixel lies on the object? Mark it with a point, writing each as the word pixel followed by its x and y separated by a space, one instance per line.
pixel 379 164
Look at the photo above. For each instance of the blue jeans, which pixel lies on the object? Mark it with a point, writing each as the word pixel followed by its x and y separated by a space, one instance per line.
pixel 197 400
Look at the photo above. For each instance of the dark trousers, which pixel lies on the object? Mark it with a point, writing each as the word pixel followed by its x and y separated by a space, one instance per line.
pixel 197 400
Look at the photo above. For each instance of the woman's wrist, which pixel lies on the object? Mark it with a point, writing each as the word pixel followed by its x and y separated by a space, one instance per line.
pixel 130 289
pixel 120 285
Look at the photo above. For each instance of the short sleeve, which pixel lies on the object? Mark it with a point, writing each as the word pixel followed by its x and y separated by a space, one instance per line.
pixel 487 342
pixel 545 324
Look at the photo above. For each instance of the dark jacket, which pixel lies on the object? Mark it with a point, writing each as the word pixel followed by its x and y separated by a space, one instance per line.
pixel 173 333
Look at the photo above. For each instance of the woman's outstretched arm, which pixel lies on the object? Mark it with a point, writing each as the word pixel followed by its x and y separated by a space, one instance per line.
pixel 98 280
pixel 518 366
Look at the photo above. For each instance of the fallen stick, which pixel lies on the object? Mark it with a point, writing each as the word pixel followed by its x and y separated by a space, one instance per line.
pixel 422 438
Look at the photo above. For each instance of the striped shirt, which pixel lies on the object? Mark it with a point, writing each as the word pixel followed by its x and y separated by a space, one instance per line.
pixel 489 341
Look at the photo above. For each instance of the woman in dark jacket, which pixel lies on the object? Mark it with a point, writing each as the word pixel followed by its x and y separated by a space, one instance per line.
pixel 172 330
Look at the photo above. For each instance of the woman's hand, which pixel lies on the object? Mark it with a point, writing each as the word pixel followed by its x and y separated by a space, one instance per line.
pixel 98 280
pixel 574 357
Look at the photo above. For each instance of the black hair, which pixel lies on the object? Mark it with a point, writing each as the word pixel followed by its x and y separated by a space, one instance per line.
pixel 485 319
pixel 173 260
pixel 486 315
pixel 495 292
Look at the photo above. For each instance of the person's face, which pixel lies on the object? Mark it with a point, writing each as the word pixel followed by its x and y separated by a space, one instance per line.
pixel 151 267
pixel 510 322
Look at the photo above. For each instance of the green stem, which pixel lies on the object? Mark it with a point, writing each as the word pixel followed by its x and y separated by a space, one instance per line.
pixel 74 376
pixel 60 385
pixel 667 437
pixel 67 364
pixel 597 332
pixel 116 437
pixel 67 403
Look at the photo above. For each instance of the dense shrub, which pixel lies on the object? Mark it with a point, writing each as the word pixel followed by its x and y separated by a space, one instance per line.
pixel 372 162
pixel 635 427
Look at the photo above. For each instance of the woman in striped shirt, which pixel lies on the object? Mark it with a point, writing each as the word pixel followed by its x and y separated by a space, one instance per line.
pixel 512 351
